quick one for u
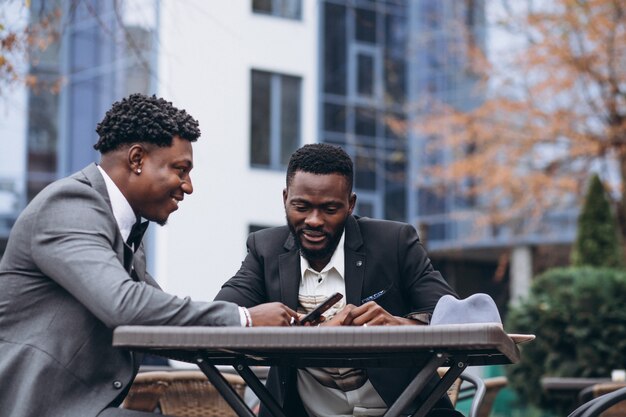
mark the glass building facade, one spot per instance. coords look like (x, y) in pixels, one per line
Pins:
(364, 86)
(104, 54)
(380, 60)
(105, 51)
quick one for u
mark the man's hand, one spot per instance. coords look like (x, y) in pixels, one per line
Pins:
(370, 314)
(272, 314)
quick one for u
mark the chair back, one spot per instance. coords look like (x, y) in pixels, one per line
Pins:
(493, 386)
(146, 390)
(181, 394)
(609, 401)
(617, 410)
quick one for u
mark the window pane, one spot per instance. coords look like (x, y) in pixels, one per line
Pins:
(84, 50)
(365, 25)
(365, 75)
(290, 9)
(395, 126)
(431, 202)
(256, 227)
(83, 101)
(335, 49)
(365, 169)
(395, 52)
(262, 6)
(43, 111)
(260, 114)
(289, 117)
(365, 122)
(435, 231)
(395, 185)
(334, 117)
(364, 209)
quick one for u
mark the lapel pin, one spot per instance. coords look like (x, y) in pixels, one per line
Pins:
(359, 263)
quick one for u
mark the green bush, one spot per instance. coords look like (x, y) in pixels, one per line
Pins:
(579, 319)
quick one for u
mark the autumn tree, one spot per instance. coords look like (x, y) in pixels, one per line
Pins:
(24, 33)
(551, 107)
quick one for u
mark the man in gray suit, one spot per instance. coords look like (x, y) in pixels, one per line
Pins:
(379, 266)
(74, 269)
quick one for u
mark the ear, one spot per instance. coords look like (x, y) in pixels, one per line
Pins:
(136, 156)
(351, 203)
(284, 197)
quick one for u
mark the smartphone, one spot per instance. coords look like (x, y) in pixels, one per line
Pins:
(321, 308)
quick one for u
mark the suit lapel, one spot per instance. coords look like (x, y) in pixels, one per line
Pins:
(92, 176)
(125, 254)
(289, 274)
(354, 262)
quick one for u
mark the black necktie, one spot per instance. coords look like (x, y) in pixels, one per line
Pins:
(136, 234)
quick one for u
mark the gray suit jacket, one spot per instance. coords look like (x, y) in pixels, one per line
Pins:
(379, 255)
(63, 289)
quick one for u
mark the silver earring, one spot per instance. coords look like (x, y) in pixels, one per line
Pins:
(138, 171)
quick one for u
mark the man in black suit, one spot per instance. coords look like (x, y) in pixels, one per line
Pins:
(380, 266)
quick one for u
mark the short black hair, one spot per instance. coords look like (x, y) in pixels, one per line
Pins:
(321, 158)
(141, 118)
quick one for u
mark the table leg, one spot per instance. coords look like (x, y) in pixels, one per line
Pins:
(458, 366)
(417, 385)
(260, 390)
(224, 388)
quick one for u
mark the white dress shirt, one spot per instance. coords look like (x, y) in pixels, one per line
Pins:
(332, 392)
(122, 211)
(125, 218)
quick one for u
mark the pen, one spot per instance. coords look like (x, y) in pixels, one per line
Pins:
(373, 297)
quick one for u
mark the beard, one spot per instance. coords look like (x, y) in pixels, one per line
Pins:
(320, 254)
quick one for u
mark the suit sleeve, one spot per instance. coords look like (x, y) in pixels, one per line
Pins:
(72, 244)
(421, 282)
(247, 286)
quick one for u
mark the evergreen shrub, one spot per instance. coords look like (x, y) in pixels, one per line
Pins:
(579, 318)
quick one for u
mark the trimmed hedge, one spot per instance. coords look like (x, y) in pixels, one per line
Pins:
(579, 317)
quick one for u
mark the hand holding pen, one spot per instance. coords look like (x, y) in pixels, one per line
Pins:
(370, 313)
(373, 297)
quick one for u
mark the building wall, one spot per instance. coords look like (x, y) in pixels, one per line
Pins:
(207, 52)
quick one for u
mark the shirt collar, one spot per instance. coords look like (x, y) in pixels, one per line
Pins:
(337, 261)
(122, 211)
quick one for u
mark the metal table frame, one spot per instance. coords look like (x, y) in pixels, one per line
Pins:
(426, 347)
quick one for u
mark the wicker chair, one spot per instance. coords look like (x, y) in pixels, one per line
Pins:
(181, 394)
(598, 393)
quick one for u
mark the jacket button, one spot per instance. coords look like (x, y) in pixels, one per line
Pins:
(117, 384)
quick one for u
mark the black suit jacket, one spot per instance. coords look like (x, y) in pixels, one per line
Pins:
(379, 255)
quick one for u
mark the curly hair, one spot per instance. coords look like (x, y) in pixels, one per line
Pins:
(321, 158)
(141, 118)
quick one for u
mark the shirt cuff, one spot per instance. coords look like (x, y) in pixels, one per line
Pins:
(244, 317)
(423, 318)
